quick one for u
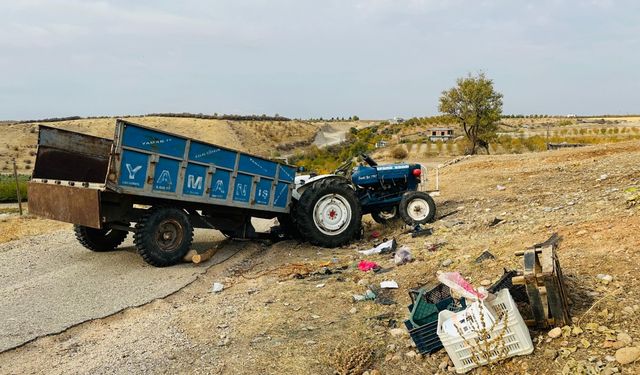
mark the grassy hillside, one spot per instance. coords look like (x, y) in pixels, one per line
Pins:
(267, 138)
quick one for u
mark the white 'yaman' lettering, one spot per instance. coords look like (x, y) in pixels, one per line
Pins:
(194, 183)
(133, 171)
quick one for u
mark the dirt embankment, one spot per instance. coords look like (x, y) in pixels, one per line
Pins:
(275, 317)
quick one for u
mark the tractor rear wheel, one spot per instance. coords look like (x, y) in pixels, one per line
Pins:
(417, 207)
(99, 240)
(163, 236)
(328, 213)
(385, 216)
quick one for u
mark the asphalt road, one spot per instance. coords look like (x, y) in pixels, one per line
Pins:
(50, 282)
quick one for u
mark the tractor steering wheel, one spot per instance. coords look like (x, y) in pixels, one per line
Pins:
(368, 160)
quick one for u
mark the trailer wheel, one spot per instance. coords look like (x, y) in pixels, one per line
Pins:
(99, 240)
(385, 216)
(417, 207)
(163, 236)
(328, 213)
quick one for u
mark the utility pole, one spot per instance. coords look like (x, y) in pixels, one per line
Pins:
(15, 175)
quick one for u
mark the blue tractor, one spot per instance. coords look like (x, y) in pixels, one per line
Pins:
(391, 191)
(327, 208)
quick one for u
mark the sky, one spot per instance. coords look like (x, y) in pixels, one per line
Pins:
(301, 58)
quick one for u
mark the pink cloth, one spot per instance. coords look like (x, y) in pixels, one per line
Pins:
(366, 265)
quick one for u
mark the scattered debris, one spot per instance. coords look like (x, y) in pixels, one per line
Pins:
(462, 287)
(602, 177)
(486, 255)
(217, 288)
(501, 188)
(390, 284)
(545, 285)
(451, 224)
(385, 247)
(447, 262)
(496, 220)
(366, 265)
(605, 279)
(402, 256)
(369, 295)
(481, 328)
(418, 231)
(320, 286)
(434, 246)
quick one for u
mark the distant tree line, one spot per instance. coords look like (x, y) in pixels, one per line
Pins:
(332, 119)
(430, 120)
(563, 116)
(215, 116)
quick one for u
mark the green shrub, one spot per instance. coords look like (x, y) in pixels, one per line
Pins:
(399, 152)
(8, 188)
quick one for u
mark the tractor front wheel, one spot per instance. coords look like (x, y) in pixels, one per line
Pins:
(417, 207)
(385, 216)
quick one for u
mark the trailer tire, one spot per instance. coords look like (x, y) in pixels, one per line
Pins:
(99, 240)
(335, 201)
(385, 216)
(417, 207)
(163, 236)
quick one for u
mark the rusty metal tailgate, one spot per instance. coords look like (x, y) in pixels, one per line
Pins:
(77, 205)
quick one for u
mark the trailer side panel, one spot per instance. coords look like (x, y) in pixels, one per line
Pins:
(77, 205)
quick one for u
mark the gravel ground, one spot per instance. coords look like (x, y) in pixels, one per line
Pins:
(49, 283)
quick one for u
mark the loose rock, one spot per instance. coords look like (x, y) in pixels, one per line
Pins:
(555, 333)
(627, 355)
(395, 332)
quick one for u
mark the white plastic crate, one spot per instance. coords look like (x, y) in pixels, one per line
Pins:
(515, 337)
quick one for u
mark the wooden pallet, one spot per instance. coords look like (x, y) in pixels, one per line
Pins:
(543, 279)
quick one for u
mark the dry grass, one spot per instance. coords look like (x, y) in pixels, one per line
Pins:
(15, 227)
(351, 361)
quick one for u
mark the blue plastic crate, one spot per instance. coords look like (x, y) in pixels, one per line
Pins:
(423, 320)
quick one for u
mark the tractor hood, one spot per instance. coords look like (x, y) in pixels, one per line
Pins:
(400, 172)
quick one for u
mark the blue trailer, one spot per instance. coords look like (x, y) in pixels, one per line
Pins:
(160, 186)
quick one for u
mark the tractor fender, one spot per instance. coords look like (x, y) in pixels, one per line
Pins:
(302, 182)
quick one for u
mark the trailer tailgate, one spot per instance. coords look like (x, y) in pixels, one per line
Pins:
(77, 205)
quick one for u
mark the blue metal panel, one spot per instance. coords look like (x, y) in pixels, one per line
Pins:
(287, 173)
(393, 171)
(133, 169)
(194, 179)
(253, 165)
(282, 195)
(242, 188)
(220, 184)
(212, 155)
(153, 141)
(239, 180)
(166, 175)
(364, 175)
(263, 191)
